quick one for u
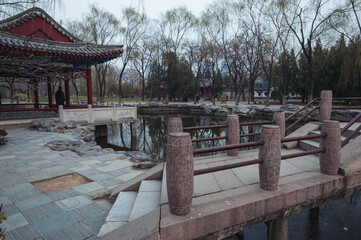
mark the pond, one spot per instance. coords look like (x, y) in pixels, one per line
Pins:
(152, 134)
(337, 220)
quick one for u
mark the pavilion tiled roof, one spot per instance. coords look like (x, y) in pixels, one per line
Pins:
(49, 47)
(22, 17)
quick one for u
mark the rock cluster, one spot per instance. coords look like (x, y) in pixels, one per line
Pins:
(3, 139)
(140, 159)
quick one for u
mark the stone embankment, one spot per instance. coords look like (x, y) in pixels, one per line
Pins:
(85, 145)
(246, 111)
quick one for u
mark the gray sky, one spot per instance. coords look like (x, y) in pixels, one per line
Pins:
(74, 9)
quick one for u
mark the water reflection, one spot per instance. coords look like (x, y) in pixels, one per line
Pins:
(152, 134)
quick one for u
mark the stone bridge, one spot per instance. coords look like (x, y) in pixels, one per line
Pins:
(313, 171)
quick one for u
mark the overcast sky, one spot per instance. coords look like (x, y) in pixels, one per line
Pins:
(74, 9)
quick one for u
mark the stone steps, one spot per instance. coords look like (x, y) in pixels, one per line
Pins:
(132, 205)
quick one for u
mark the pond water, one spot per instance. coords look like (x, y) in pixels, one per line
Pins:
(337, 220)
(152, 134)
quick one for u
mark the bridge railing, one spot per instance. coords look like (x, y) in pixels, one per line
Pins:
(180, 168)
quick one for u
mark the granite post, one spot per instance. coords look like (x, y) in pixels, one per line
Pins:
(175, 125)
(330, 159)
(232, 133)
(270, 153)
(180, 173)
(325, 106)
(279, 119)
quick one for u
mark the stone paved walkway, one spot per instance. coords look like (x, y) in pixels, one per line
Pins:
(67, 214)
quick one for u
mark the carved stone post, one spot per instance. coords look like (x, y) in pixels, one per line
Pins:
(232, 133)
(179, 172)
(330, 159)
(270, 153)
(325, 106)
(175, 125)
(279, 119)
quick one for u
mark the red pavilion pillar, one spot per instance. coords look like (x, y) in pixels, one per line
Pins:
(36, 94)
(67, 94)
(50, 92)
(88, 76)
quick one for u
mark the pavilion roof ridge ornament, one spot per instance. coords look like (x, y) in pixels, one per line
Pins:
(22, 17)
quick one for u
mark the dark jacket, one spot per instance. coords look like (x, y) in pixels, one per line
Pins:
(59, 98)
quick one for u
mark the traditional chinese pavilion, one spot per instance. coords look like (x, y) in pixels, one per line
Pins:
(34, 46)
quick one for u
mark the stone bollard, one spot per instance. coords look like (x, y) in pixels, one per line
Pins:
(61, 113)
(325, 106)
(180, 172)
(232, 133)
(270, 153)
(330, 159)
(279, 119)
(175, 125)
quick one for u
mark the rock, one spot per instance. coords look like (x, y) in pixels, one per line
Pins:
(70, 125)
(91, 128)
(137, 156)
(144, 165)
(3, 132)
(89, 149)
(3, 140)
(60, 145)
(290, 107)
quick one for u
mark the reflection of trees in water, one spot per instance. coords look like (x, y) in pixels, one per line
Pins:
(152, 133)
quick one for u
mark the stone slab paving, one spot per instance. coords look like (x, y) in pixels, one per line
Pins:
(67, 214)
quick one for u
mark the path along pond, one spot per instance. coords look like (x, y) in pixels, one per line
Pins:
(336, 220)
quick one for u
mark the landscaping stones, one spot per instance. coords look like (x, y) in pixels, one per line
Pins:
(144, 165)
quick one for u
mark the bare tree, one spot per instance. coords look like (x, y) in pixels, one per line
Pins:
(173, 28)
(308, 21)
(134, 29)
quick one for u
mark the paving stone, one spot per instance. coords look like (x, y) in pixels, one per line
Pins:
(38, 213)
(145, 203)
(104, 204)
(14, 221)
(8, 180)
(24, 232)
(150, 186)
(74, 202)
(87, 211)
(89, 187)
(75, 232)
(62, 220)
(205, 184)
(128, 176)
(40, 162)
(227, 179)
(40, 176)
(21, 196)
(63, 194)
(19, 188)
(94, 223)
(122, 207)
(288, 169)
(118, 172)
(247, 175)
(5, 200)
(45, 166)
(10, 209)
(33, 202)
(81, 168)
(89, 162)
(7, 157)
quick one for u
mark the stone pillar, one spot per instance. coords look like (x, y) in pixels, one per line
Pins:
(61, 113)
(88, 76)
(232, 133)
(180, 173)
(175, 125)
(277, 229)
(279, 119)
(270, 153)
(133, 130)
(50, 92)
(330, 159)
(36, 94)
(325, 106)
(90, 112)
(67, 93)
